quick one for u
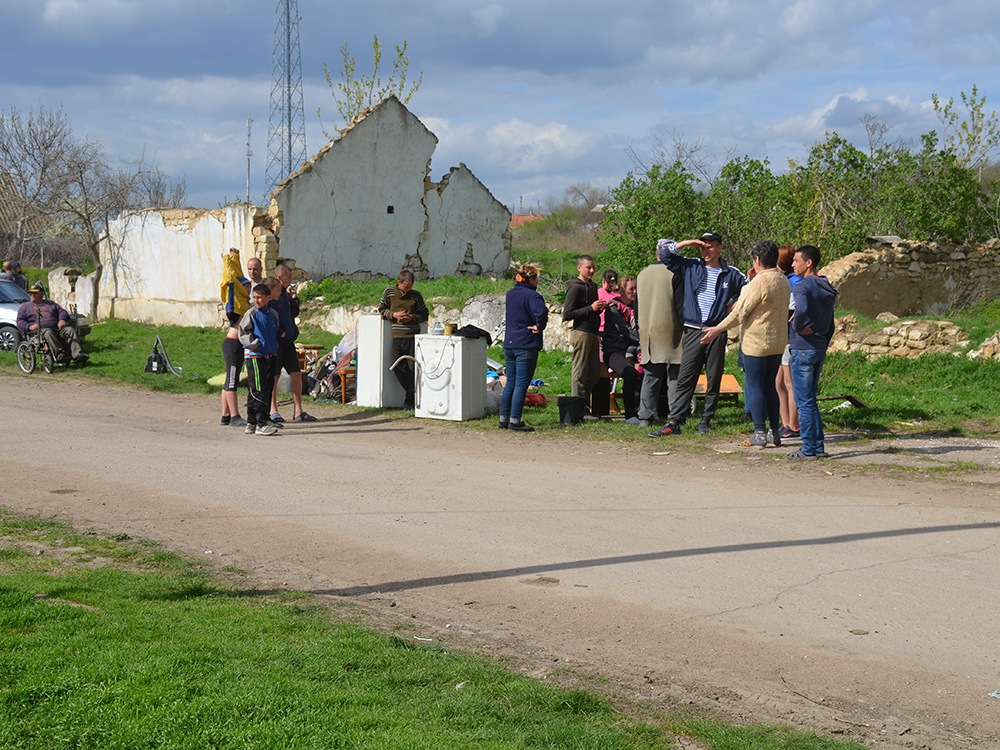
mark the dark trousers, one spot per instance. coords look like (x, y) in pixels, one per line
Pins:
(656, 376)
(405, 372)
(260, 382)
(625, 369)
(694, 357)
(759, 374)
(63, 342)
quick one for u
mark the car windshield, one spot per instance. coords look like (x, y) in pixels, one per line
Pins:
(11, 292)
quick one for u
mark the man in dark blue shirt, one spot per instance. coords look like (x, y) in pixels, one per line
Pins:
(810, 334)
(710, 288)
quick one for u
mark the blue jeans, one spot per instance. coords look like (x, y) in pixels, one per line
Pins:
(759, 374)
(806, 367)
(520, 366)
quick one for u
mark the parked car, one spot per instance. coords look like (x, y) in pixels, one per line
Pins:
(11, 297)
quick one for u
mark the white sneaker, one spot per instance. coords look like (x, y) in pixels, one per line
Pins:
(267, 429)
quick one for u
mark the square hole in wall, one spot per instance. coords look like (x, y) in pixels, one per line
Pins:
(390, 209)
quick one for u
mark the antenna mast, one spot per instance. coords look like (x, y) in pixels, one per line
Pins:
(286, 133)
(249, 154)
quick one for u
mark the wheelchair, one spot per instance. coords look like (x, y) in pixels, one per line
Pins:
(33, 348)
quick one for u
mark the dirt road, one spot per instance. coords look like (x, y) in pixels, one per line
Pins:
(832, 595)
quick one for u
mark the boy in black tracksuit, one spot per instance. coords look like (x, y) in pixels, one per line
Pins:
(259, 336)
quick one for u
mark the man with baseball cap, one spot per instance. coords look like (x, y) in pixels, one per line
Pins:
(711, 286)
(55, 324)
(19, 278)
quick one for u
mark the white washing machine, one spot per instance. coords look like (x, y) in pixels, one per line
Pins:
(451, 377)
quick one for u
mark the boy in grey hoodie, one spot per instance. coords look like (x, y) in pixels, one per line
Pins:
(811, 331)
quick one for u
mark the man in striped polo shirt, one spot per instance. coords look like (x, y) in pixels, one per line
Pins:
(711, 286)
(405, 307)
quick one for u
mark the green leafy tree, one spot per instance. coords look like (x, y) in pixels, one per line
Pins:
(972, 138)
(748, 203)
(354, 93)
(662, 202)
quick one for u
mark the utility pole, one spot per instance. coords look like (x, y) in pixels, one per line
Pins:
(249, 154)
(286, 133)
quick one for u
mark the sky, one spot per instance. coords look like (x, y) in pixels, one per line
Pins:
(533, 96)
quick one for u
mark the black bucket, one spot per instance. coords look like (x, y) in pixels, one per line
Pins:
(571, 409)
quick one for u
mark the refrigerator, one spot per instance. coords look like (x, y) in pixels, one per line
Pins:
(376, 384)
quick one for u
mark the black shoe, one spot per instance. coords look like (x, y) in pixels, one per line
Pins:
(502, 424)
(81, 360)
(704, 428)
(520, 427)
(670, 428)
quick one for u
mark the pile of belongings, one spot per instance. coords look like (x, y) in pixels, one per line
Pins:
(326, 371)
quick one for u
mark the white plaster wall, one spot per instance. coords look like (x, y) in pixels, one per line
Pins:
(334, 215)
(465, 216)
(164, 266)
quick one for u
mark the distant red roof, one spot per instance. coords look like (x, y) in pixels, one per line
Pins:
(519, 220)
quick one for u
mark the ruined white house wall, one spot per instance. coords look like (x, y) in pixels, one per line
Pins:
(463, 229)
(164, 266)
(365, 206)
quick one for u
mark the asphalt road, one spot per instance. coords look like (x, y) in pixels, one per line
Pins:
(833, 596)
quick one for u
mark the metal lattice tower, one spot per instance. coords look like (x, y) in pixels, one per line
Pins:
(286, 132)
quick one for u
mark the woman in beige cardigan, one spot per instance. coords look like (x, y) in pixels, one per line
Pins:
(762, 315)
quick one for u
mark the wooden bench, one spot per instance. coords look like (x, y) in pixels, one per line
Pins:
(728, 388)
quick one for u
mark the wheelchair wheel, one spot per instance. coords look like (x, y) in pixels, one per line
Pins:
(48, 362)
(26, 357)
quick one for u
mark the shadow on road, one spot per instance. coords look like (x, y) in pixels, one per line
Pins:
(486, 575)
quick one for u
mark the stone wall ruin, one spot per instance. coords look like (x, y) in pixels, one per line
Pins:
(914, 278)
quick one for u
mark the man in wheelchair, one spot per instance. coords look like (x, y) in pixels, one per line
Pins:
(56, 325)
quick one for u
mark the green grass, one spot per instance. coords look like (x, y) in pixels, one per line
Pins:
(119, 349)
(979, 322)
(117, 643)
(450, 290)
(558, 266)
(935, 393)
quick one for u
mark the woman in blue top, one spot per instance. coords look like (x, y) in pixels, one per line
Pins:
(526, 316)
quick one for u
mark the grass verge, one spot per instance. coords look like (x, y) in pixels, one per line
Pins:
(116, 643)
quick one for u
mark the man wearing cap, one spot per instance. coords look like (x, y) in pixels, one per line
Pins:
(19, 278)
(711, 286)
(12, 272)
(55, 323)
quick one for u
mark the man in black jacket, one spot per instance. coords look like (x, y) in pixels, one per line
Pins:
(583, 308)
